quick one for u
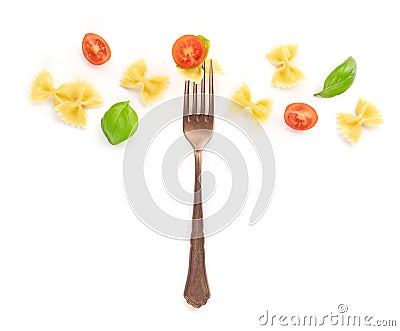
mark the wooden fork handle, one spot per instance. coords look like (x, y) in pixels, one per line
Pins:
(197, 291)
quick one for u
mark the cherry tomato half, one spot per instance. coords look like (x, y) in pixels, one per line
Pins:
(95, 49)
(189, 51)
(300, 116)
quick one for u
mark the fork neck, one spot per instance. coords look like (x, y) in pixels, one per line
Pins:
(197, 181)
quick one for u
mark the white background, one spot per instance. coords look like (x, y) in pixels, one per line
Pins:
(72, 254)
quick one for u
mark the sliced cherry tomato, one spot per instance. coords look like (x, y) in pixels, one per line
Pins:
(95, 49)
(189, 51)
(300, 116)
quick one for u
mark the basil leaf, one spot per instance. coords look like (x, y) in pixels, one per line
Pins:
(206, 43)
(119, 122)
(184, 67)
(340, 79)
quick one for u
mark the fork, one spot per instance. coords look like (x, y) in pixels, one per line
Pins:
(198, 129)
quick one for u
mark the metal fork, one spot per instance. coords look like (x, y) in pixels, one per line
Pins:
(198, 129)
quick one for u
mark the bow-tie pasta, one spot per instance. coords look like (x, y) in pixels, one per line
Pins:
(69, 100)
(261, 109)
(350, 125)
(151, 88)
(73, 98)
(196, 74)
(42, 87)
(286, 74)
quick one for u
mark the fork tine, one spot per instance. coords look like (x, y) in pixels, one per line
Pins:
(194, 104)
(203, 90)
(211, 91)
(186, 99)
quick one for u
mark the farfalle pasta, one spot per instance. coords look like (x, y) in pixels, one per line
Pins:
(43, 86)
(286, 74)
(366, 113)
(69, 100)
(261, 109)
(196, 74)
(151, 88)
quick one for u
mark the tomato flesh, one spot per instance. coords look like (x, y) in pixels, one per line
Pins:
(300, 116)
(189, 51)
(95, 49)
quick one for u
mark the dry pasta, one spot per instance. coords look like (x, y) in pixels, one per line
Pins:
(69, 100)
(286, 74)
(366, 113)
(196, 74)
(151, 88)
(261, 109)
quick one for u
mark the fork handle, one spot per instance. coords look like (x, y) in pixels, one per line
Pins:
(197, 291)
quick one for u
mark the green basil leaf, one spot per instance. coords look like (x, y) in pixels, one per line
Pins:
(184, 68)
(340, 79)
(119, 123)
(206, 43)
